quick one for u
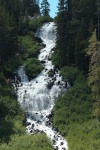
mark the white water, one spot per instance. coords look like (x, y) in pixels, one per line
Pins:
(35, 97)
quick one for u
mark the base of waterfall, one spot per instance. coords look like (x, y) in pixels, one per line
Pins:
(37, 97)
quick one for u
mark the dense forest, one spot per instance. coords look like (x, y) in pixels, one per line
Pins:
(76, 114)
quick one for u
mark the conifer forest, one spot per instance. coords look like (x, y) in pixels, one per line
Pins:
(75, 56)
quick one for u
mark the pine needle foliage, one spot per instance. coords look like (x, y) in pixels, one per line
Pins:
(93, 52)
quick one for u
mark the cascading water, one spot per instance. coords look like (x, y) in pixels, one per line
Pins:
(37, 96)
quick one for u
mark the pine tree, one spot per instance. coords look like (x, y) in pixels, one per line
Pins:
(45, 8)
(8, 35)
(93, 52)
(61, 33)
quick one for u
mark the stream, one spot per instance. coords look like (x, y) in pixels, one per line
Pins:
(37, 97)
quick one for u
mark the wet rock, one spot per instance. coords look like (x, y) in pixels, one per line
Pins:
(36, 131)
(58, 82)
(54, 141)
(46, 69)
(38, 121)
(50, 116)
(48, 123)
(37, 39)
(31, 131)
(56, 148)
(42, 131)
(50, 84)
(42, 61)
(61, 143)
(63, 148)
(32, 125)
(51, 73)
(54, 78)
(55, 69)
(27, 123)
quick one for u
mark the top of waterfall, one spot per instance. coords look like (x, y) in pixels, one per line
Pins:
(47, 32)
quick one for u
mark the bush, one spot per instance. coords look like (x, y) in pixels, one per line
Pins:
(26, 142)
(70, 74)
(34, 24)
(2, 79)
(33, 67)
(11, 118)
(30, 47)
(73, 116)
(10, 66)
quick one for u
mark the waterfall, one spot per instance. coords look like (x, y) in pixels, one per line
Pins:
(37, 96)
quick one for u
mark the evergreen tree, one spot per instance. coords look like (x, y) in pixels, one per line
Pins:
(8, 35)
(45, 8)
(61, 33)
(93, 52)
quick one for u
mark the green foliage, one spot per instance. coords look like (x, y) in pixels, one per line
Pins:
(55, 58)
(34, 24)
(33, 67)
(11, 118)
(2, 79)
(93, 51)
(84, 136)
(26, 142)
(11, 65)
(75, 21)
(8, 36)
(45, 8)
(73, 116)
(70, 74)
(11, 115)
(29, 46)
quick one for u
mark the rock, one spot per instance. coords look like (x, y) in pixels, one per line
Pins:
(42, 61)
(50, 84)
(54, 78)
(37, 39)
(54, 141)
(27, 123)
(42, 131)
(31, 131)
(51, 73)
(38, 121)
(61, 143)
(56, 148)
(63, 148)
(58, 82)
(25, 91)
(46, 69)
(32, 125)
(36, 131)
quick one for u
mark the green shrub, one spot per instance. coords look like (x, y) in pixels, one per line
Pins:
(33, 67)
(70, 74)
(34, 24)
(26, 142)
(73, 116)
(11, 118)
(55, 59)
(2, 79)
(30, 47)
(10, 66)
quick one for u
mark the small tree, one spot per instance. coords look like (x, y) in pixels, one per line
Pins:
(45, 8)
